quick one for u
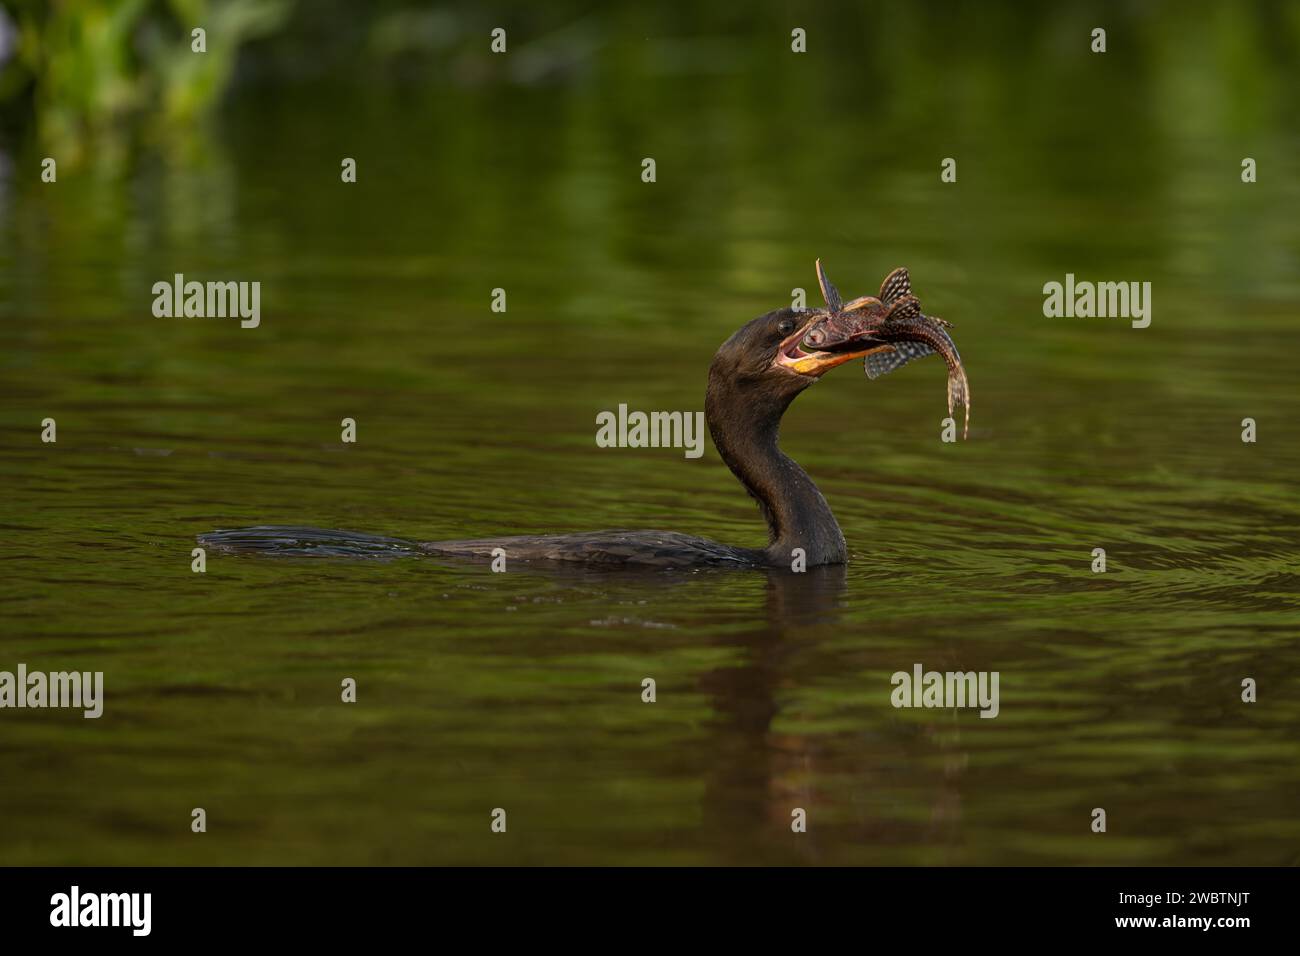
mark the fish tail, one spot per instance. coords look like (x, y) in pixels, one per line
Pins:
(959, 394)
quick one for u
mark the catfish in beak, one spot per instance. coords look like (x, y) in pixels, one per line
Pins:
(890, 330)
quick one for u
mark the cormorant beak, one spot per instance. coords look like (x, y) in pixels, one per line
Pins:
(823, 342)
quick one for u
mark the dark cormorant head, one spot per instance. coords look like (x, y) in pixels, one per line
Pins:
(778, 355)
(772, 353)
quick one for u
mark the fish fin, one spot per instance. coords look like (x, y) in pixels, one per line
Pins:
(868, 302)
(829, 292)
(900, 353)
(897, 283)
(906, 307)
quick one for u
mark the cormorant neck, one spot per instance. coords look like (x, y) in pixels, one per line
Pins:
(744, 427)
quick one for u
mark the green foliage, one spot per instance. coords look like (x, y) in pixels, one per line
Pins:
(87, 66)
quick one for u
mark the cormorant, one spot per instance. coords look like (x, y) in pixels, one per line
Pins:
(753, 378)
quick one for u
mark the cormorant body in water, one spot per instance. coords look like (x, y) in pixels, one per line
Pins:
(754, 377)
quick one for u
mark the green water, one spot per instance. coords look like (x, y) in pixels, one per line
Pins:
(523, 690)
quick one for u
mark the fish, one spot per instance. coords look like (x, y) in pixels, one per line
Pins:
(895, 319)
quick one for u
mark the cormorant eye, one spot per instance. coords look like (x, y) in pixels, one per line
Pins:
(786, 327)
